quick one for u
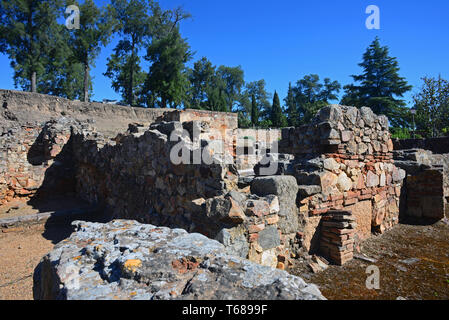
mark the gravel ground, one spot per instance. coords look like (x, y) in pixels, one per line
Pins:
(413, 261)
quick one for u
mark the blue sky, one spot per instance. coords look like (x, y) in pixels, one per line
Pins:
(281, 41)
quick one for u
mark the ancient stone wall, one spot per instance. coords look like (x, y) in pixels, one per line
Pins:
(31, 155)
(343, 160)
(252, 145)
(426, 188)
(25, 107)
(436, 145)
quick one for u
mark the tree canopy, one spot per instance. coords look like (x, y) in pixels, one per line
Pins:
(379, 86)
(432, 107)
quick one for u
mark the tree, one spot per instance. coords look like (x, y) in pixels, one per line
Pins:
(292, 108)
(380, 86)
(166, 83)
(62, 77)
(203, 80)
(310, 96)
(133, 23)
(233, 80)
(27, 36)
(254, 111)
(257, 109)
(95, 30)
(432, 107)
(216, 89)
(277, 117)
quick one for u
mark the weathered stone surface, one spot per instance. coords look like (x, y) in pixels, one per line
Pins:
(128, 260)
(269, 238)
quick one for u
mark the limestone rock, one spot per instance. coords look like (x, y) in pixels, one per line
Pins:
(127, 260)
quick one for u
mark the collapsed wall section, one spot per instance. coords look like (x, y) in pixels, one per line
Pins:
(35, 159)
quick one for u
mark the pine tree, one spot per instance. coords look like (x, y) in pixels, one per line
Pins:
(27, 35)
(95, 29)
(166, 84)
(380, 86)
(292, 108)
(133, 24)
(277, 118)
(310, 95)
(254, 111)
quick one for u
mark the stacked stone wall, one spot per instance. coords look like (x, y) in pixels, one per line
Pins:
(343, 160)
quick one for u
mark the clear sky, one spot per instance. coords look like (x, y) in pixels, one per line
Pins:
(281, 41)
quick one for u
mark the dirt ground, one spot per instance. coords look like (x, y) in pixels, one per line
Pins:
(20, 252)
(413, 261)
(23, 207)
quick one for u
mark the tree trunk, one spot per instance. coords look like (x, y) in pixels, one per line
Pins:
(86, 82)
(33, 82)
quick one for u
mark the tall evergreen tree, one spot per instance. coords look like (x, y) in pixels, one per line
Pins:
(203, 81)
(277, 117)
(310, 95)
(27, 35)
(259, 106)
(211, 88)
(166, 83)
(380, 86)
(63, 76)
(133, 24)
(95, 30)
(292, 108)
(254, 111)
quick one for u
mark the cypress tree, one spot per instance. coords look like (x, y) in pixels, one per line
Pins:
(292, 109)
(254, 111)
(277, 118)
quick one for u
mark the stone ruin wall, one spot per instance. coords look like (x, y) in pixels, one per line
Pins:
(343, 161)
(426, 187)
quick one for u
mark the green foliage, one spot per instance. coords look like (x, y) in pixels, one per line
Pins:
(254, 111)
(400, 133)
(309, 95)
(132, 22)
(95, 30)
(258, 108)
(28, 33)
(380, 86)
(212, 88)
(291, 108)
(277, 118)
(233, 81)
(167, 81)
(432, 107)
